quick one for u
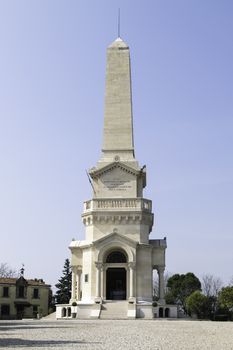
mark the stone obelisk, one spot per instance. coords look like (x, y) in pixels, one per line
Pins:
(118, 123)
(116, 260)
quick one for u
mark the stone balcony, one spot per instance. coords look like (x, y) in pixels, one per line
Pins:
(118, 204)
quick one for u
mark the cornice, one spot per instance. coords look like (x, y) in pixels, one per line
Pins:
(119, 218)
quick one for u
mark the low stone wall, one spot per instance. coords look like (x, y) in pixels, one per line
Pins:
(92, 311)
(81, 311)
(165, 311)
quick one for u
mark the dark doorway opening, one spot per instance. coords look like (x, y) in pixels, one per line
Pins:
(5, 311)
(167, 312)
(116, 284)
(160, 312)
(20, 311)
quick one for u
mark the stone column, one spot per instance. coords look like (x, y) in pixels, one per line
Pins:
(78, 294)
(99, 266)
(131, 266)
(160, 270)
(103, 281)
(73, 284)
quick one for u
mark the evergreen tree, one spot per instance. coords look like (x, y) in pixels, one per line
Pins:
(180, 287)
(63, 293)
(200, 305)
(226, 298)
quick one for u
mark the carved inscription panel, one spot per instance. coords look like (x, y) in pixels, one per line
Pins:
(117, 183)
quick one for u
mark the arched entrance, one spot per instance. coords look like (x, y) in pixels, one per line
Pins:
(116, 275)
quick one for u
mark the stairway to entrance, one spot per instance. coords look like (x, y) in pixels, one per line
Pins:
(114, 310)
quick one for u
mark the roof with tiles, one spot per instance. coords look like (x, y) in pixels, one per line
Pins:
(31, 282)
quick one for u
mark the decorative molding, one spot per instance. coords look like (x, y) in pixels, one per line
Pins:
(92, 218)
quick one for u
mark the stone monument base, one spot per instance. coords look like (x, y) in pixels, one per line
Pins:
(116, 309)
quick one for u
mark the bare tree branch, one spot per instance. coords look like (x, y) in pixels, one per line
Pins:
(6, 271)
(211, 285)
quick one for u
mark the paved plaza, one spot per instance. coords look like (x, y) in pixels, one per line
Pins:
(117, 334)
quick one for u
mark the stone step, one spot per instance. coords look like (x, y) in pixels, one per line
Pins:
(113, 317)
(114, 310)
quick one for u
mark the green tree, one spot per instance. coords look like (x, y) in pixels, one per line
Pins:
(226, 298)
(180, 287)
(200, 305)
(51, 302)
(63, 293)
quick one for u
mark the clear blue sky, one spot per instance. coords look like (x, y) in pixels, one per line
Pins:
(52, 77)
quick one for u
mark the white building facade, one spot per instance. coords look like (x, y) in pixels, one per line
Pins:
(112, 269)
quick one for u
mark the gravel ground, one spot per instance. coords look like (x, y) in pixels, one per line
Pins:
(119, 334)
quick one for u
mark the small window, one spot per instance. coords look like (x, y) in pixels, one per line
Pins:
(86, 278)
(5, 292)
(36, 293)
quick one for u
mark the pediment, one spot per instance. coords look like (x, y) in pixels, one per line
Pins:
(98, 172)
(117, 238)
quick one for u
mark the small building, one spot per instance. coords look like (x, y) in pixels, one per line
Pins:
(21, 298)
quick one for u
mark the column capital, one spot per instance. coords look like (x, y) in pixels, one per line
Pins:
(131, 265)
(76, 268)
(79, 270)
(99, 265)
(160, 269)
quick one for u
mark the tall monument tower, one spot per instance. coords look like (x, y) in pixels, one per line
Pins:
(112, 268)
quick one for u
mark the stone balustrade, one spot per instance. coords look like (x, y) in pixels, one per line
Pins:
(158, 242)
(118, 204)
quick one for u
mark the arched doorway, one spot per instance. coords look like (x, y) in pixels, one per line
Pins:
(63, 312)
(167, 312)
(116, 276)
(160, 312)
